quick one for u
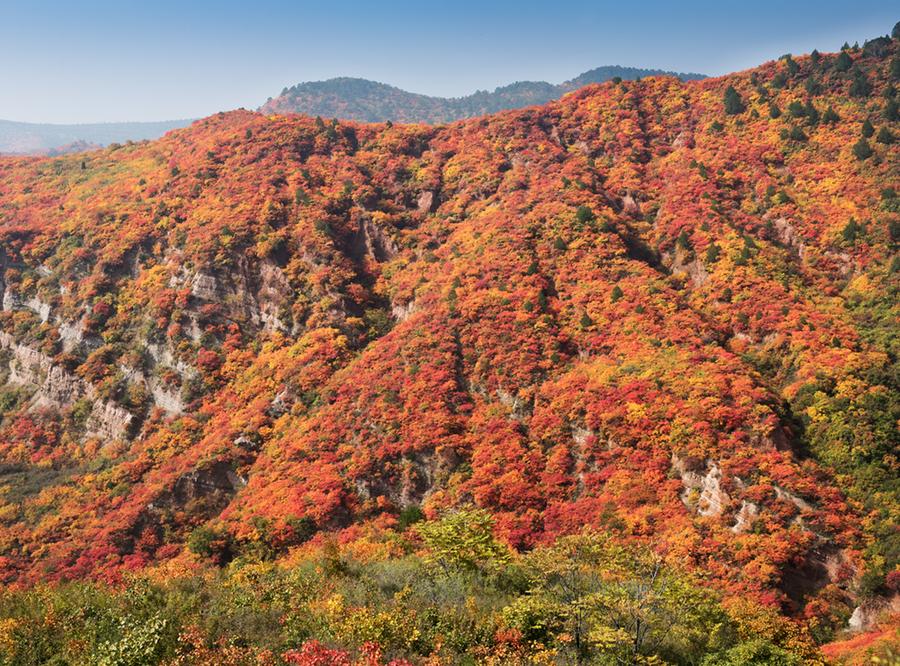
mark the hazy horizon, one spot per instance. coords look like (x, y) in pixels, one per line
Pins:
(102, 62)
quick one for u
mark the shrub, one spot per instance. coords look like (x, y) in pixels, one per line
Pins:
(862, 150)
(584, 214)
(212, 543)
(885, 136)
(410, 515)
(796, 134)
(797, 109)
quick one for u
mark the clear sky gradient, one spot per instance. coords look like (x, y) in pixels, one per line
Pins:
(67, 61)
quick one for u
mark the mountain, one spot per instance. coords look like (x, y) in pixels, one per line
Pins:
(368, 101)
(608, 380)
(37, 138)
(356, 99)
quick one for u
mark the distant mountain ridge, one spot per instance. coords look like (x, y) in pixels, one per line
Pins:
(48, 139)
(345, 97)
(369, 101)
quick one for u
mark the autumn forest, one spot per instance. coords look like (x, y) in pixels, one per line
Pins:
(610, 380)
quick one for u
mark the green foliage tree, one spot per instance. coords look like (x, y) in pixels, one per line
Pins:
(867, 129)
(753, 653)
(621, 605)
(139, 643)
(463, 541)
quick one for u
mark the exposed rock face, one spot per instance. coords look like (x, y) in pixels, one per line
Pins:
(70, 335)
(274, 295)
(869, 614)
(630, 205)
(788, 235)
(425, 202)
(745, 516)
(10, 300)
(683, 262)
(783, 494)
(107, 421)
(703, 492)
(40, 308)
(218, 482)
(166, 400)
(372, 241)
(416, 477)
(256, 293)
(824, 564)
(205, 287)
(403, 312)
(57, 388)
(685, 139)
(207, 490)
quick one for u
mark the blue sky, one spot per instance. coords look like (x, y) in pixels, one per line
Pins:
(98, 60)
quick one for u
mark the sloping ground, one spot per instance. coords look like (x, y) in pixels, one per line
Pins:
(628, 309)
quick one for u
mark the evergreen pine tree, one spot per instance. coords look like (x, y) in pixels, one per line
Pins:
(733, 102)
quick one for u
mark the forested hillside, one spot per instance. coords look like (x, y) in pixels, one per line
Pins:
(607, 380)
(369, 101)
